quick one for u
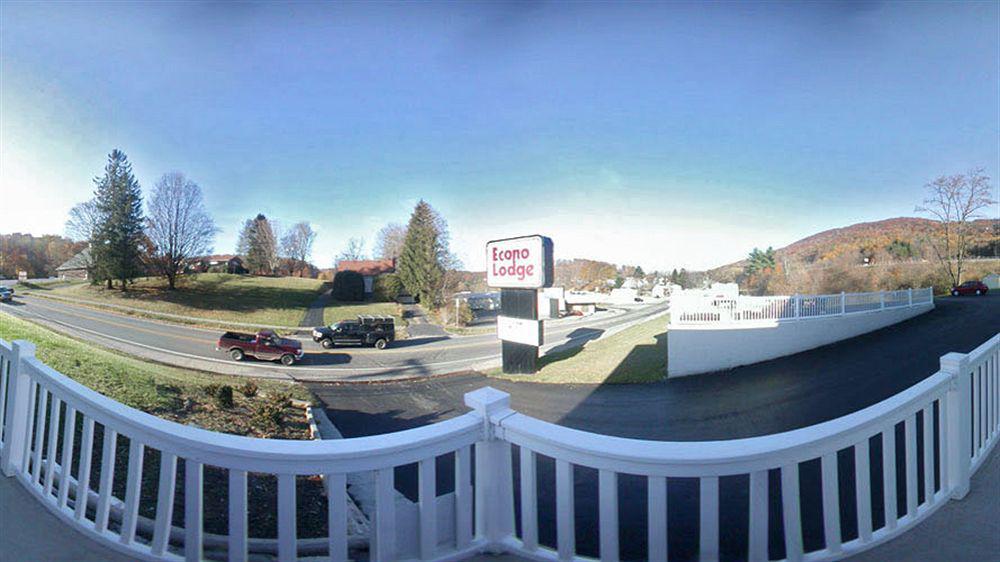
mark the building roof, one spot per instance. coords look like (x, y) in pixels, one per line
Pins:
(79, 261)
(368, 267)
(216, 258)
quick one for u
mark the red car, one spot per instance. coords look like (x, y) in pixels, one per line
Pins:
(970, 288)
(264, 345)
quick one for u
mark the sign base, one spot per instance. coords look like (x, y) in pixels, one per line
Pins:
(519, 358)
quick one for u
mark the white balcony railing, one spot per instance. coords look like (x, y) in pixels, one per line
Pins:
(948, 424)
(701, 309)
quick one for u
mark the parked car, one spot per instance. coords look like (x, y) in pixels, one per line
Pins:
(970, 288)
(265, 345)
(6, 294)
(378, 331)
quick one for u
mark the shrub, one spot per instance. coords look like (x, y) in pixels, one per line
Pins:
(211, 390)
(224, 397)
(348, 286)
(267, 417)
(249, 389)
(387, 287)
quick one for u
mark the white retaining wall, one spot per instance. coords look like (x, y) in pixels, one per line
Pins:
(704, 348)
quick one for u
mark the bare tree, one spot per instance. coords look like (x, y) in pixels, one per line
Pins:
(955, 201)
(178, 226)
(296, 244)
(389, 241)
(355, 250)
(83, 220)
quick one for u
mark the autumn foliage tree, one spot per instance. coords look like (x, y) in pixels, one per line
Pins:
(954, 202)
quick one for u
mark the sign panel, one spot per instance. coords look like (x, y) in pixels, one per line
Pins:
(519, 263)
(519, 330)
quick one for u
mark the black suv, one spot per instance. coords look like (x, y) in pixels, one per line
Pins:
(378, 331)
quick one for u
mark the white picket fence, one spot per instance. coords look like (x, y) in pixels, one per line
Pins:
(700, 309)
(957, 411)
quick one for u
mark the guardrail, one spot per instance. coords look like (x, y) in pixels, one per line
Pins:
(698, 309)
(947, 425)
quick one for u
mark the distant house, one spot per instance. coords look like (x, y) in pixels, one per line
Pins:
(369, 270)
(77, 267)
(219, 263)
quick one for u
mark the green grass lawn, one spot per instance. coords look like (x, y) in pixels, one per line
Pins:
(177, 394)
(634, 355)
(264, 301)
(350, 310)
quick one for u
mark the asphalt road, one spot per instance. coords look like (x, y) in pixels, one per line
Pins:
(771, 397)
(191, 347)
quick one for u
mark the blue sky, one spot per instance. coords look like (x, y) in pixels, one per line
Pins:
(665, 134)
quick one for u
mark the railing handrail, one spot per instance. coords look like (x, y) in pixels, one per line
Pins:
(706, 309)
(279, 456)
(721, 457)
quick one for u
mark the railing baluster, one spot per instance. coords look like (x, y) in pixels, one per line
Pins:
(287, 533)
(132, 483)
(5, 384)
(656, 532)
(791, 513)
(608, 518)
(164, 502)
(565, 511)
(708, 528)
(975, 413)
(238, 524)
(911, 465)
(384, 532)
(50, 453)
(463, 496)
(831, 502)
(529, 500)
(36, 463)
(107, 479)
(32, 408)
(863, 490)
(336, 498)
(66, 464)
(929, 453)
(427, 498)
(193, 514)
(83, 473)
(889, 475)
(758, 517)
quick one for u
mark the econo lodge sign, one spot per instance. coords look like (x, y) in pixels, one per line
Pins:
(519, 263)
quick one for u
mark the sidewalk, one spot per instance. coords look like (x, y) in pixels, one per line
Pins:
(961, 530)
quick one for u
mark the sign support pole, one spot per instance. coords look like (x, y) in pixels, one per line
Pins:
(519, 358)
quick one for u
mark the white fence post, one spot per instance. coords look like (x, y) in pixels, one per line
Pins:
(881, 300)
(843, 303)
(798, 300)
(17, 407)
(909, 296)
(959, 423)
(494, 473)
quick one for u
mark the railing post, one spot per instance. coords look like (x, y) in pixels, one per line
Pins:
(959, 423)
(843, 303)
(494, 475)
(909, 297)
(17, 407)
(798, 300)
(881, 300)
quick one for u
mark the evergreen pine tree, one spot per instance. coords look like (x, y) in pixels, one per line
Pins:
(117, 238)
(258, 245)
(421, 264)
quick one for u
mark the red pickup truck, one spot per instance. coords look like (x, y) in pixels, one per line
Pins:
(264, 345)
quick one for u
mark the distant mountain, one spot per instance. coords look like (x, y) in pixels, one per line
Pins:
(897, 239)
